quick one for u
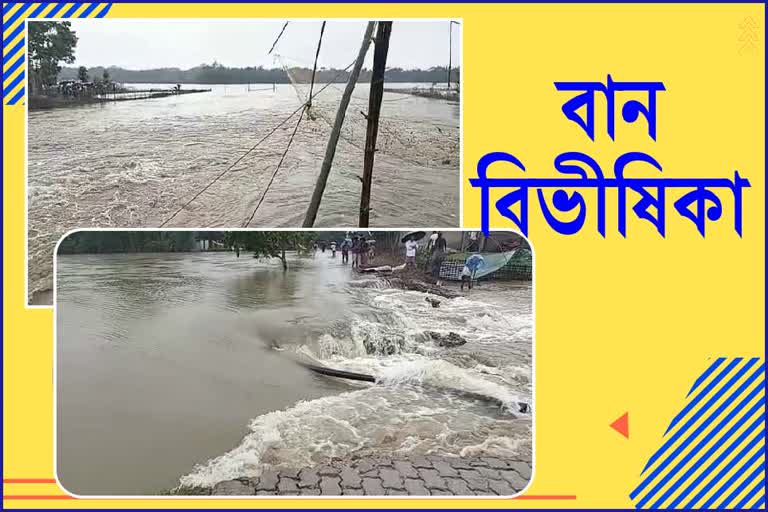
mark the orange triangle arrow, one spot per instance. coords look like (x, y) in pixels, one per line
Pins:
(621, 425)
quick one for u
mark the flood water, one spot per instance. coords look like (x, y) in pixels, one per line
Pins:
(135, 163)
(182, 369)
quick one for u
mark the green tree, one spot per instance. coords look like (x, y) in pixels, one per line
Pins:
(270, 244)
(50, 42)
(105, 76)
(82, 74)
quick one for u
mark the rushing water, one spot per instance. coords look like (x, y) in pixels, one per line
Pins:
(181, 368)
(135, 163)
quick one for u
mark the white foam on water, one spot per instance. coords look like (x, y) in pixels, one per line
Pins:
(330, 347)
(500, 445)
(374, 421)
(426, 400)
(281, 436)
(443, 374)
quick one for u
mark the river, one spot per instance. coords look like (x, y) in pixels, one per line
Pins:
(135, 163)
(181, 368)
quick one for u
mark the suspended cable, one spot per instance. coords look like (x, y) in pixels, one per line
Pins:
(273, 130)
(274, 174)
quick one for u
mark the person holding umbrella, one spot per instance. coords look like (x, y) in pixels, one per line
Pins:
(411, 246)
(471, 265)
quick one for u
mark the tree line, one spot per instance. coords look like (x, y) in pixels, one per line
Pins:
(106, 242)
(51, 43)
(218, 74)
(261, 244)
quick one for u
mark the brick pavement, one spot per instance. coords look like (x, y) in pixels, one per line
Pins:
(415, 476)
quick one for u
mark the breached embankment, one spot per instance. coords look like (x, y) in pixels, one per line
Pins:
(398, 276)
(427, 400)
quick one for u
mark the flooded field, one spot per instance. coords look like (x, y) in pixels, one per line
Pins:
(135, 163)
(182, 369)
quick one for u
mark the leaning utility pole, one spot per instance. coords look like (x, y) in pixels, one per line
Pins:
(374, 107)
(330, 149)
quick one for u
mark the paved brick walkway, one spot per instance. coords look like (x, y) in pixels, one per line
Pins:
(415, 476)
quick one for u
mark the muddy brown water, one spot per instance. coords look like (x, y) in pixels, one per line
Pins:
(181, 368)
(134, 163)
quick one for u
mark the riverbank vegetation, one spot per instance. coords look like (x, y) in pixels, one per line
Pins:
(270, 244)
(50, 43)
(261, 244)
(106, 242)
(216, 73)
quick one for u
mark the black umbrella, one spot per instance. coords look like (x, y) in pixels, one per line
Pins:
(413, 235)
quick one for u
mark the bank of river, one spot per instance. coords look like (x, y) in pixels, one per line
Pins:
(48, 102)
(134, 163)
(181, 369)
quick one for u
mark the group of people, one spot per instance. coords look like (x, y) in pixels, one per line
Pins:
(361, 250)
(357, 245)
(437, 249)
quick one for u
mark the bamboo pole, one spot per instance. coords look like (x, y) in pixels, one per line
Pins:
(330, 149)
(314, 68)
(450, 51)
(374, 108)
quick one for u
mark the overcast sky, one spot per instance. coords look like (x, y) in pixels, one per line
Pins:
(145, 44)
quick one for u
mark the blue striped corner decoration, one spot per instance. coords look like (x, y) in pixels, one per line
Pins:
(14, 37)
(713, 452)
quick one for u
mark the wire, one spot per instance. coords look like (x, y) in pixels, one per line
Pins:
(273, 130)
(290, 141)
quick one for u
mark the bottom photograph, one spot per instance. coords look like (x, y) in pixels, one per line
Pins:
(294, 363)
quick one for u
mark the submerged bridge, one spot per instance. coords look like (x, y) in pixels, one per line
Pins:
(146, 94)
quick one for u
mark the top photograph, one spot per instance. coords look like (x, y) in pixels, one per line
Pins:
(239, 124)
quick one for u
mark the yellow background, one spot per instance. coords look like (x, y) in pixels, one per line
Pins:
(621, 324)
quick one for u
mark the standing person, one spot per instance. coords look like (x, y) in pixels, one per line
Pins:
(431, 244)
(363, 251)
(474, 244)
(333, 249)
(439, 250)
(355, 252)
(410, 252)
(430, 248)
(471, 265)
(345, 246)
